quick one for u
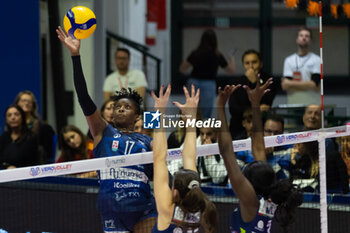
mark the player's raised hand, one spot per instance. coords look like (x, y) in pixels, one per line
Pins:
(72, 44)
(189, 108)
(225, 93)
(258, 92)
(161, 102)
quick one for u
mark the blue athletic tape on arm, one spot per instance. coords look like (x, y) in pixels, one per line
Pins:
(86, 103)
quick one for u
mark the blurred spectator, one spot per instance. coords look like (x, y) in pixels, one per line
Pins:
(205, 60)
(124, 77)
(345, 152)
(211, 167)
(139, 127)
(106, 113)
(278, 157)
(239, 101)
(305, 157)
(305, 168)
(18, 145)
(312, 121)
(45, 134)
(301, 72)
(74, 145)
(176, 138)
(247, 124)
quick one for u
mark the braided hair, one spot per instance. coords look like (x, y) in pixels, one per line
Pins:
(282, 192)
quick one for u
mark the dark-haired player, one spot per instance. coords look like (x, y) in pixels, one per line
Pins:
(261, 196)
(125, 200)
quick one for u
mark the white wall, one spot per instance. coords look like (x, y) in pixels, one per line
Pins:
(162, 47)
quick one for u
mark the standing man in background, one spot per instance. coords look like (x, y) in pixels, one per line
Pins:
(123, 77)
(301, 72)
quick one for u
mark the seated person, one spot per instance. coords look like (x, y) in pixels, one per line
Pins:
(247, 124)
(139, 127)
(312, 121)
(106, 113)
(211, 167)
(27, 101)
(18, 145)
(277, 157)
(74, 145)
(305, 167)
(239, 101)
(176, 138)
(345, 152)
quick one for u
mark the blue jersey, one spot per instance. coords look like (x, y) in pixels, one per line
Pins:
(178, 218)
(124, 189)
(260, 224)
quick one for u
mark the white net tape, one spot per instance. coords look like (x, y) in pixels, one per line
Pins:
(144, 158)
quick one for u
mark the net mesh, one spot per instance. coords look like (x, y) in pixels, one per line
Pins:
(62, 197)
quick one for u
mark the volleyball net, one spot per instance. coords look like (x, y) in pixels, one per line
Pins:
(62, 197)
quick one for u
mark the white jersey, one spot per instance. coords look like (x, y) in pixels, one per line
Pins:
(306, 65)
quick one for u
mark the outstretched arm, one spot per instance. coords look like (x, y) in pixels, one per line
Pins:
(162, 191)
(93, 117)
(189, 109)
(240, 184)
(257, 135)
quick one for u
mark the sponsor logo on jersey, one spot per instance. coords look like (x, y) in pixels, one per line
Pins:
(115, 145)
(123, 174)
(117, 135)
(109, 224)
(114, 162)
(260, 224)
(121, 195)
(126, 185)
